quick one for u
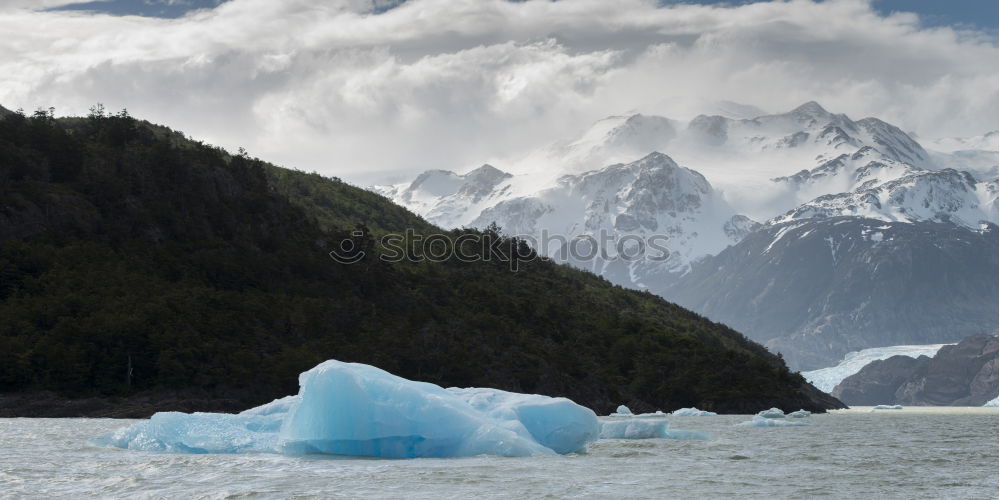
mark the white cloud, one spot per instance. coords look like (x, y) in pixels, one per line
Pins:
(452, 83)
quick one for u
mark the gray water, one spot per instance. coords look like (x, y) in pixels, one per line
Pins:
(914, 453)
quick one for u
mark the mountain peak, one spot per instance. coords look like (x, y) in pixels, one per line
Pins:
(658, 158)
(486, 171)
(811, 108)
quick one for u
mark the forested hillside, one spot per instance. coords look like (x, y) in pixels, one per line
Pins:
(135, 261)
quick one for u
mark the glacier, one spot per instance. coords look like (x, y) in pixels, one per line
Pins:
(354, 409)
(825, 379)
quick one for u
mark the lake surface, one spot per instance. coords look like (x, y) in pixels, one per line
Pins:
(858, 453)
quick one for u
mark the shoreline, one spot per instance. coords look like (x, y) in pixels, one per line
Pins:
(51, 405)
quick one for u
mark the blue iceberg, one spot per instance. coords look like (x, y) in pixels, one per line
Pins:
(359, 410)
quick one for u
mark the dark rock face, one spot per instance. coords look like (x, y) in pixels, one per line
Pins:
(819, 288)
(959, 375)
(878, 381)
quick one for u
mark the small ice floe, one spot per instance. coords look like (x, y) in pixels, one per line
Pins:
(772, 413)
(774, 417)
(693, 412)
(646, 428)
(887, 407)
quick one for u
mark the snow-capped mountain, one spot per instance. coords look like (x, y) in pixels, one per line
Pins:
(444, 197)
(869, 184)
(650, 196)
(798, 171)
(808, 128)
(989, 141)
(976, 155)
(615, 139)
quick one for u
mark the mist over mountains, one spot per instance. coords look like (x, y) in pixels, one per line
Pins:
(810, 231)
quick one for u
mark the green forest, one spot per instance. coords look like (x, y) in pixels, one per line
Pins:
(135, 260)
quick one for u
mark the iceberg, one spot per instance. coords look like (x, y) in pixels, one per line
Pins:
(646, 428)
(199, 433)
(887, 407)
(359, 410)
(772, 413)
(774, 417)
(825, 379)
(655, 414)
(623, 410)
(693, 412)
(992, 403)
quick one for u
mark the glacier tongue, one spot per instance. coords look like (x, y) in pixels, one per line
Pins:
(358, 410)
(825, 379)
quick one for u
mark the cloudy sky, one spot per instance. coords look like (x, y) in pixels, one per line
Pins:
(374, 90)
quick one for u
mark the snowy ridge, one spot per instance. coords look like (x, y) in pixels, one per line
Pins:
(936, 195)
(989, 141)
(444, 197)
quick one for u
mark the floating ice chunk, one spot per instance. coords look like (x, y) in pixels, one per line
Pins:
(355, 409)
(634, 428)
(887, 407)
(359, 410)
(646, 428)
(623, 410)
(992, 403)
(199, 433)
(655, 414)
(772, 413)
(799, 414)
(693, 412)
(759, 421)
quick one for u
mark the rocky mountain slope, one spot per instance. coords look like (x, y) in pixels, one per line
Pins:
(964, 374)
(815, 289)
